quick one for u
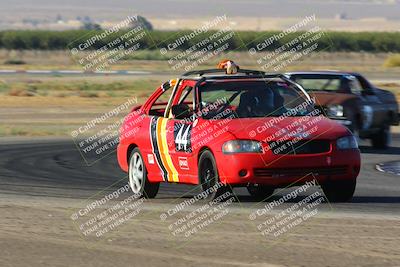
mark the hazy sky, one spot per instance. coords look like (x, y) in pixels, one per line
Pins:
(115, 9)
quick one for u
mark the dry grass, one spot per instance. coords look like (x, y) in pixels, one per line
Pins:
(51, 115)
(392, 61)
(140, 88)
(56, 101)
(20, 92)
(60, 60)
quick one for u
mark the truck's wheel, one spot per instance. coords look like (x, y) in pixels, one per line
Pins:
(260, 192)
(339, 191)
(138, 176)
(381, 140)
(208, 176)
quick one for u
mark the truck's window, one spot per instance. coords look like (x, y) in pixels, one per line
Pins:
(364, 83)
(355, 87)
(319, 83)
(323, 84)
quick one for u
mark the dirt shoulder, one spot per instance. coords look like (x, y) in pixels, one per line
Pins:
(41, 233)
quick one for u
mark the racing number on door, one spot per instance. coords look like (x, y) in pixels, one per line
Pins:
(182, 135)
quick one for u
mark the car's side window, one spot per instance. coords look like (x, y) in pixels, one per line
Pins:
(183, 104)
(159, 106)
(187, 97)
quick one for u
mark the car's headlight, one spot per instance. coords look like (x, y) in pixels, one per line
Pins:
(347, 142)
(335, 111)
(242, 146)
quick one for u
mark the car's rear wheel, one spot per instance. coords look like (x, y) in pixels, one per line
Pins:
(137, 174)
(339, 191)
(381, 140)
(208, 176)
(260, 192)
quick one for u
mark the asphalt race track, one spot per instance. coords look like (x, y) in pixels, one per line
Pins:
(54, 168)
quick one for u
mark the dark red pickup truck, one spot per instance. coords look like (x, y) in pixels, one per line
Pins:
(352, 100)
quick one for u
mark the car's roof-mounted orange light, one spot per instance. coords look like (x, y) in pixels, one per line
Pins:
(229, 66)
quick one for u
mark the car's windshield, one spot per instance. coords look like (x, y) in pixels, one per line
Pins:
(251, 99)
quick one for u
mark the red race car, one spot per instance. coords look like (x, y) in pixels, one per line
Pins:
(234, 127)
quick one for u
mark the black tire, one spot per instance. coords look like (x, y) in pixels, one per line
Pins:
(381, 140)
(339, 191)
(208, 176)
(260, 192)
(146, 189)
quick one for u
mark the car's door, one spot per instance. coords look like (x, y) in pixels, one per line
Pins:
(372, 111)
(180, 128)
(156, 152)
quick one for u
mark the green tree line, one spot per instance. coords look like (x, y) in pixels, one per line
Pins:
(242, 40)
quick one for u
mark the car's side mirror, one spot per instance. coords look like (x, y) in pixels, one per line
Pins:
(181, 111)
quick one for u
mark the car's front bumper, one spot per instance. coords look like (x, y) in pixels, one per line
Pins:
(283, 170)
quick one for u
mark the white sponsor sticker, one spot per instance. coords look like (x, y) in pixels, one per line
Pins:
(150, 158)
(183, 163)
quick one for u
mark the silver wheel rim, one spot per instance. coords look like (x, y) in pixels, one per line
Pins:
(136, 173)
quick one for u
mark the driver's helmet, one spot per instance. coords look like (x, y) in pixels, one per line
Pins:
(256, 103)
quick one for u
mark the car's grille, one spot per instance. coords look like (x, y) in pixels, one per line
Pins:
(299, 172)
(300, 146)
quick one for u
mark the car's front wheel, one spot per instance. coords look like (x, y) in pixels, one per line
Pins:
(339, 191)
(208, 176)
(137, 173)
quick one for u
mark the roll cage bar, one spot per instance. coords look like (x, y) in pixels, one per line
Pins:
(256, 74)
(209, 71)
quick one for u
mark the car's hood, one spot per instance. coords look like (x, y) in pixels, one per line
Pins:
(323, 98)
(274, 128)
